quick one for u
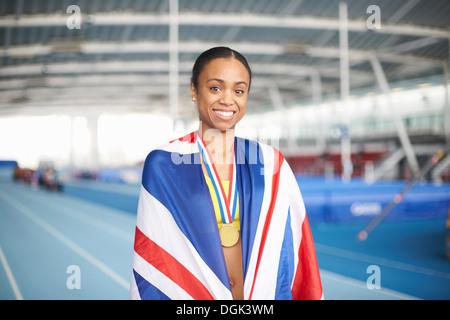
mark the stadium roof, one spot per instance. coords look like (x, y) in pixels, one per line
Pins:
(126, 55)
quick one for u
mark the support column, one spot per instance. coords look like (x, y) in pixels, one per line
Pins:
(316, 89)
(347, 166)
(399, 125)
(174, 68)
(93, 156)
(446, 105)
(72, 148)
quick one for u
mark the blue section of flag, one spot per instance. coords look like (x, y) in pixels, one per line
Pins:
(188, 201)
(285, 268)
(250, 182)
(147, 291)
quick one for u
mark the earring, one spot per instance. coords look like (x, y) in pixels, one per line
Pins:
(193, 99)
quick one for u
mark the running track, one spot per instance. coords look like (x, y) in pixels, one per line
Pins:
(43, 233)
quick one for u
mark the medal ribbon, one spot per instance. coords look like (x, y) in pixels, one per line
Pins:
(227, 205)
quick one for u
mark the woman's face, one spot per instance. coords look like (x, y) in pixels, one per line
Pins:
(222, 93)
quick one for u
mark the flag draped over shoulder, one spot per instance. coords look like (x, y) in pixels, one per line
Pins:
(178, 252)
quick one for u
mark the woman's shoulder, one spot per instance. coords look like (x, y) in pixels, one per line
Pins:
(171, 151)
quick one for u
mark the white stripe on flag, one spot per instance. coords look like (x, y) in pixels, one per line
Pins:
(268, 156)
(158, 224)
(158, 279)
(266, 281)
(297, 211)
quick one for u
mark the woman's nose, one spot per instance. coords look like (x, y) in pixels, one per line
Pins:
(227, 98)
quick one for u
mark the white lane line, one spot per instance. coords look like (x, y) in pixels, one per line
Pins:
(361, 284)
(343, 253)
(72, 245)
(9, 274)
(81, 216)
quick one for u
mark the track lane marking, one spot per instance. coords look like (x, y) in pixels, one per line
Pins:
(343, 253)
(69, 243)
(10, 275)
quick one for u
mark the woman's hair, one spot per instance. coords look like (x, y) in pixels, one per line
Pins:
(215, 53)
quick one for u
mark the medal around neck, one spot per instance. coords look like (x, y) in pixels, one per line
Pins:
(229, 235)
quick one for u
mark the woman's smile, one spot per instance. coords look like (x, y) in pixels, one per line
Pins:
(224, 115)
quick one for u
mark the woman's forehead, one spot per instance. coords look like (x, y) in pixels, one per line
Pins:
(226, 69)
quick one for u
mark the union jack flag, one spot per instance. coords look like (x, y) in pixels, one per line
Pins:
(178, 252)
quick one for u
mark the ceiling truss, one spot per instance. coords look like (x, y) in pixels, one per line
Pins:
(124, 71)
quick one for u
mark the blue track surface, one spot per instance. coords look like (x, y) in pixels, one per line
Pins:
(43, 233)
(410, 255)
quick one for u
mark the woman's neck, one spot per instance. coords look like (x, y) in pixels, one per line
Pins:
(220, 144)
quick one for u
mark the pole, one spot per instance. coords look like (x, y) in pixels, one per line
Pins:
(399, 125)
(316, 89)
(346, 148)
(173, 56)
(446, 106)
(434, 159)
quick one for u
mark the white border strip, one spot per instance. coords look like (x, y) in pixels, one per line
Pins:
(324, 274)
(352, 255)
(10, 276)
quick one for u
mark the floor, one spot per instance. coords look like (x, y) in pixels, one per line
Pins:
(60, 246)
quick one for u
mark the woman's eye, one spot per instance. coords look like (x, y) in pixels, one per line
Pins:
(214, 89)
(239, 91)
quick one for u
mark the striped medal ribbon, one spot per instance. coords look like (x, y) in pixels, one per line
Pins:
(229, 235)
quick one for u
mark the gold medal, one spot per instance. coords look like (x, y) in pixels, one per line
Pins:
(229, 235)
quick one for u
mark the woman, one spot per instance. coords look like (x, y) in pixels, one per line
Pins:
(221, 217)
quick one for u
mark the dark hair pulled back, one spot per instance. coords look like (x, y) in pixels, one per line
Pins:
(215, 53)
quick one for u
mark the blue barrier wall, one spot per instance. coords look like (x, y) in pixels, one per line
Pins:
(357, 201)
(324, 201)
(7, 169)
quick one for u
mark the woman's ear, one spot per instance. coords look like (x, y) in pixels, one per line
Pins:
(193, 93)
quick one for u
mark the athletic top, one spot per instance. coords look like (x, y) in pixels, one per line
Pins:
(225, 185)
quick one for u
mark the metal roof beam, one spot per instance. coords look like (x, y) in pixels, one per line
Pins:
(143, 47)
(162, 67)
(355, 55)
(362, 55)
(232, 19)
(135, 81)
(412, 45)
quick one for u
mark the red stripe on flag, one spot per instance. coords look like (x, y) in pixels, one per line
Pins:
(190, 137)
(230, 186)
(219, 182)
(278, 160)
(169, 266)
(227, 207)
(307, 284)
